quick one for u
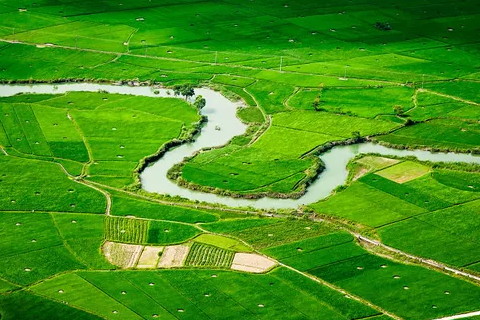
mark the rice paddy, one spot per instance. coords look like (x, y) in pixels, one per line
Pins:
(81, 239)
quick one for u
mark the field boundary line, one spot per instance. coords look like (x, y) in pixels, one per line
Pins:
(65, 243)
(107, 196)
(449, 96)
(85, 142)
(59, 301)
(460, 316)
(146, 294)
(173, 203)
(429, 262)
(192, 61)
(108, 295)
(334, 287)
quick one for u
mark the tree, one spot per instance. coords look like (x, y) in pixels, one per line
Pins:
(187, 91)
(316, 104)
(356, 135)
(177, 90)
(398, 110)
(200, 102)
(384, 26)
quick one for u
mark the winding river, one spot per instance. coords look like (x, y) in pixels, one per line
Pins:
(222, 126)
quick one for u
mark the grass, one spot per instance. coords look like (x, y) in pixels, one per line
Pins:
(308, 245)
(367, 205)
(162, 233)
(194, 294)
(120, 130)
(128, 206)
(32, 248)
(430, 216)
(25, 305)
(408, 291)
(281, 57)
(431, 105)
(251, 114)
(207, 256)
(279, 233)
(455, 135)
(84, 235)
(404, 171)
(46, 188)
(222, 242)
(275, 162)
(126, 230)
(367, 103)
(232, 225)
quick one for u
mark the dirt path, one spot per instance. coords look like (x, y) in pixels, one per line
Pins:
(50, 45)
(428, 262)
(346, 293)
(449, 96)
(107, 196)
(461, 316)
(85, 142)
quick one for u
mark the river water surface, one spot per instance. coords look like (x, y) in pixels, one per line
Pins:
(222, 126)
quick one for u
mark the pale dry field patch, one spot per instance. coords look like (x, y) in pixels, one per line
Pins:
(173, 256)
(121, 254)
(252, 262)
(149, 258)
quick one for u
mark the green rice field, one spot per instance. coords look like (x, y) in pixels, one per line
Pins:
(398, 240)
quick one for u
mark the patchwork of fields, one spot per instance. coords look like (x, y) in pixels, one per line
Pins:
(313, 75)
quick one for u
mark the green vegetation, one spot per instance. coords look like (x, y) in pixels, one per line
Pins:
(222, 242)
(313, 75)
(24, 305)
(409, 291)
(126, 229)
(107, 133)
(275, 162)
(46, 188)
(451, 135)
(195, 294)
(206, 256)
(161, 232)
(251, 114)
(431, 215)
(127, 206)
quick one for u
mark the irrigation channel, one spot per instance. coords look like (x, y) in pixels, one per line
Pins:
(222, 126)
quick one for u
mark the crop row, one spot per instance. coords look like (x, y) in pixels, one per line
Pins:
(126, 229)
(202, 255)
